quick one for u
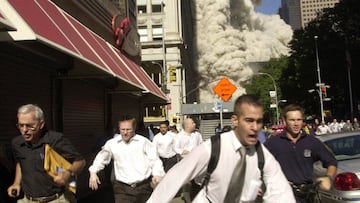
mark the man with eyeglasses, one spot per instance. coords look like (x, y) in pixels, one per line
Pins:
(29, 153)
(137, 168)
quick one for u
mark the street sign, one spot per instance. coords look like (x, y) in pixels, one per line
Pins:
(272, 93)
(224, 89)
(272, 106)
(218, 105)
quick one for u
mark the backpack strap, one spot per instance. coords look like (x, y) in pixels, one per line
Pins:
(214, 158)
(261, 162)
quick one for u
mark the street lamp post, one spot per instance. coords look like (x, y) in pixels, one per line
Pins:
(276, 97)
(164, 70)
(319, 84)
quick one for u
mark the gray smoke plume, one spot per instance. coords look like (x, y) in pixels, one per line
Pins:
(230, 35)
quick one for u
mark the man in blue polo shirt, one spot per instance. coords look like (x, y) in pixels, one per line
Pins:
(296, 152)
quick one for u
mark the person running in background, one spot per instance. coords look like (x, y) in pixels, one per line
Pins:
(164, 142)
(136, 164)
(187, 139)
(322, 129)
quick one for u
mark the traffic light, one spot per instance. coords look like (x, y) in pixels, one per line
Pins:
(176, 120)
(323, 91)
(172, 73)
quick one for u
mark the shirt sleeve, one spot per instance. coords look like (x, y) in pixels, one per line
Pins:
(155, 143)
(177, 148)
(187, 169)
(155, 162)
(200, 139)
(277, 187)
(102, 158)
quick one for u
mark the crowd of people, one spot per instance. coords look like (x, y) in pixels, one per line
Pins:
(156, 165)
(335, 126)
(319, 128)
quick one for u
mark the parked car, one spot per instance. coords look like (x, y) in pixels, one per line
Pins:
(346, 185)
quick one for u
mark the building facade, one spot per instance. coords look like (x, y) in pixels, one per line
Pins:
(298, 13)
(165, 28)
(74, 62)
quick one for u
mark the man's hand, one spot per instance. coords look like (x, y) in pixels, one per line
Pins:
(155, 181)
(185, 152)
(14, 190)
(94, 181)
(325, 183)
(62, 178)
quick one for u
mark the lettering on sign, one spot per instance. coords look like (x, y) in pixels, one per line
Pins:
(224, 89)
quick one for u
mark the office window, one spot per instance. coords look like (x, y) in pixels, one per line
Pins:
(156, 8)
(157, 31)
(142, 9)
(143, 32)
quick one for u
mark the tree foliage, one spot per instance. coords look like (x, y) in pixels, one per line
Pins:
(261, 85)
(338, 31)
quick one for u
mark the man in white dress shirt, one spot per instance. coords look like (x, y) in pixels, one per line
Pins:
(187, 139)
(136, 164)
(323, 129)
(247, 121)
(164, 142)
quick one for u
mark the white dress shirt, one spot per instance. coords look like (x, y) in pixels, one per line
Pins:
(195, 164)
(184, 141)
(133, 162)
(323, 129)
(165, 144)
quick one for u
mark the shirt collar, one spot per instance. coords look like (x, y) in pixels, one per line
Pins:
(237, 144)
(134, 138)
(283, 135)
(40, 142)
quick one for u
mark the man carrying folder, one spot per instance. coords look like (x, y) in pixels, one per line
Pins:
(38, 184)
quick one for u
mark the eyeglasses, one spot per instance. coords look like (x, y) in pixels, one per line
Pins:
(30, 126)
(126, 130)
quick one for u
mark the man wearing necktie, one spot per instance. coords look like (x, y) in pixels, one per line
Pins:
(223, 185)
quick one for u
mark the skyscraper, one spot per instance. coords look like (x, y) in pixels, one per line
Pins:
(298, 13)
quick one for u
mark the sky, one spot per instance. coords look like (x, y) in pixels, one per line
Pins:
(269, 6)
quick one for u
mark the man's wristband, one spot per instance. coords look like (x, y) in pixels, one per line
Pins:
(330, 177)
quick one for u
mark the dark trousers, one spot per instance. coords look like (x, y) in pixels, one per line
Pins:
(124, 193)
(302, 200)
(168, 162)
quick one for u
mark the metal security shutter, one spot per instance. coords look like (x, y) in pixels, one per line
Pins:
(83, 122)
(125, 104)
(207, 127)
(83, 113)
(20, 84)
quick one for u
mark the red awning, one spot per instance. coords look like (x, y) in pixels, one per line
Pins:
(57, 28)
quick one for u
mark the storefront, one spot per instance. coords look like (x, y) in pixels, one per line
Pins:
(81, 81)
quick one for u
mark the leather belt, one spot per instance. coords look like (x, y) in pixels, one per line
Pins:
(134, 185)
(43, 199)
(164, 159)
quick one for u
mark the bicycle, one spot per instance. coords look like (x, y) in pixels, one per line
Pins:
(308, 192)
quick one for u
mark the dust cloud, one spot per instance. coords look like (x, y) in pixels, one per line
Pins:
(230, 37)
